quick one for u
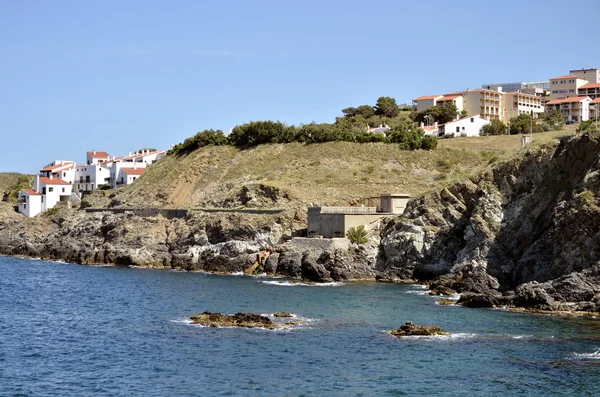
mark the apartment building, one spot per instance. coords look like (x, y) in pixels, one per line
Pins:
(591, 89)
(575, 109)
(517, 103)
(488, 104)
(565, 86)
(425, 102)
(591, 75)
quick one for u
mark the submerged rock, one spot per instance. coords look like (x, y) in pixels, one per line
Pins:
(282, 315)
(243, 320)
(412, 329)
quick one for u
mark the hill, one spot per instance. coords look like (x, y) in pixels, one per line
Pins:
(292, 175)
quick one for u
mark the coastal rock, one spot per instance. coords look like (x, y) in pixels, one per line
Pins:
(313, 271)
(243, 320)
(411, 329)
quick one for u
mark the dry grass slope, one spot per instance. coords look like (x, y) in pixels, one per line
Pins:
(335, 173)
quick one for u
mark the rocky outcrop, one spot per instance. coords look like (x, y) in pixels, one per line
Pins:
(241, 320)
(411, 329)
(510, 237)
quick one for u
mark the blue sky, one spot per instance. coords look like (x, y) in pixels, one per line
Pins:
(117, 76)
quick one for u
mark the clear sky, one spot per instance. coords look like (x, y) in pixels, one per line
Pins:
(118, 76)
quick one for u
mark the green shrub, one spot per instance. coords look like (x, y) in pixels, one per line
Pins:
(201, 139)
(429, 142)
(357, 235)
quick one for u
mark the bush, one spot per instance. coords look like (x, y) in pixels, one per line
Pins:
(357, 235)
(201, 139)
(429, 142)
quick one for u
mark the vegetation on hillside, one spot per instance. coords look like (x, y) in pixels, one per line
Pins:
(12, 183)
(353, 126)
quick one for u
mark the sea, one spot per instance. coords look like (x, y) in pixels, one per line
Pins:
(74, 330)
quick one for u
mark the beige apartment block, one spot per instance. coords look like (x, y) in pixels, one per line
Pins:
(565, 86)
(573, 108)
(517, 103)
(591, 75)
(489, 104)
(455, 98)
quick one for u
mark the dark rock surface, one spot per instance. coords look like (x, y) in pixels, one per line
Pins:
(243, 320)
(411, 329)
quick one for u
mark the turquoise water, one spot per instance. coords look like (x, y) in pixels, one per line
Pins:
(99, 331)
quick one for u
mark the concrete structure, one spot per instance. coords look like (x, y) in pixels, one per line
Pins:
(591, 75)
(517, 103)
(573, 108)
(565, 86)
(488, 104)
(455, 98)
(468, 126)
(591, 89)
(336, 221)
(595, 108)
(425, 102)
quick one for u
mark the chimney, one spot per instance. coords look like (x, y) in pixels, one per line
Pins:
(36, 187)
(129, 154)
(421, 125)
(51, 176)
(435, 124)
(94, 152)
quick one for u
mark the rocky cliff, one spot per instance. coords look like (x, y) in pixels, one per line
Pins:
(526, 233)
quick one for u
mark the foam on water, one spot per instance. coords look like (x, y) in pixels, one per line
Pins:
(291, 284)
(587, 356)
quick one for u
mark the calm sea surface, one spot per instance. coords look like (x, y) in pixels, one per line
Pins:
(71, 330)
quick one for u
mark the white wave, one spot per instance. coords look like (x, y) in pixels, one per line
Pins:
(587, 356)
(414, 292)
(520, 336)
(291, 284)
(421, 286)
(183, 321)
(237, 274)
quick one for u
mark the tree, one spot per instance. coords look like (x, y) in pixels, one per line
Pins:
(554, 118)
(260, 132)
(441, 114)
(365, 111)
(495, 127)
(523, 124)
(386, 106)
(201, 139)
(408, 136)
(464, 114)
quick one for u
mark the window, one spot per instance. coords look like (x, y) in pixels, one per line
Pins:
(472, 119)
(64, 174)
(24, 206)
(457, 129)
(63, 189)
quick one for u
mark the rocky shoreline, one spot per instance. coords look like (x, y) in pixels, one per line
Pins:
(525, 236)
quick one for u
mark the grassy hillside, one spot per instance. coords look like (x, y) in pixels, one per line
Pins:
(12, 182)
(291, 175)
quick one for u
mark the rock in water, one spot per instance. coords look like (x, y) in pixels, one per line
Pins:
(282, 315)
(411, 329)
(243, 320)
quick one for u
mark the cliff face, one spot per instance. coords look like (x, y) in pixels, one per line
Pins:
(535, 218)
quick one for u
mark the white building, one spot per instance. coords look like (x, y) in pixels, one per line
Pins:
(517, 103)
(468, 126)
(575, 109)
(425, 102)
(95, 157)
(592, 90)
(141, 159)
(91, 176)
(30, 202)
(62, 169)
(128, 175)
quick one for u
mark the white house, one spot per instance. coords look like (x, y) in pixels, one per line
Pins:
(90, 176)
(128, 175)
(95, 157)
(54, 191)
(467, 126)
(30, 202)
(62, 169)
(572, 108)
(140, 159)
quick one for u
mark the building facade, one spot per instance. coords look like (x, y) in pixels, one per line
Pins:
(517, 103)
(591, 89)
(565, 86)
(575, 109)
(488, 104)
(591, 75)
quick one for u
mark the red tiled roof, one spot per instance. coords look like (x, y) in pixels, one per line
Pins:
(135, 156)
(98, 154)
(67, 165)
(429, 128)
(426, 97)
(448, 98)
(572, 99)
(590, 85)
(53, 181)
(31, 192)
(597, 100)
(134, 171)
(567, 77)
